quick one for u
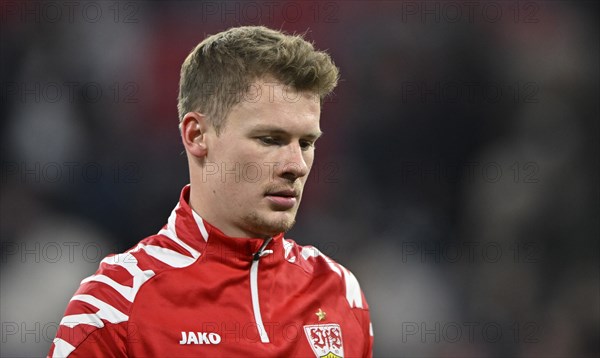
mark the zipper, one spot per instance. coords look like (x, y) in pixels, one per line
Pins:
(254, 290)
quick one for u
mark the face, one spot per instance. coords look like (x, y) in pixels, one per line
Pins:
(260, 161)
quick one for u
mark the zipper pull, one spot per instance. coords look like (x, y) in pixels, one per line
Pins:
(262, 252)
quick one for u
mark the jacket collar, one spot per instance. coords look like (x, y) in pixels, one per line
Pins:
(201, 238)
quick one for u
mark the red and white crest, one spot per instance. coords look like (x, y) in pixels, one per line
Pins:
(325, 340)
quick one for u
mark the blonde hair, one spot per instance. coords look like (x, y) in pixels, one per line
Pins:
(220, 70)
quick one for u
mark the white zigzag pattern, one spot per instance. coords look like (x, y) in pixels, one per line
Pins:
(171, 234)
(353, 292)
(129, 262)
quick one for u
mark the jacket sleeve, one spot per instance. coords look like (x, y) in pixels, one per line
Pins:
(364, 317)
(360, 307)
(108, 341)
(95, 323)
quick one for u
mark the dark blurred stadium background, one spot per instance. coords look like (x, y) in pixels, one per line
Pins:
(457, 178)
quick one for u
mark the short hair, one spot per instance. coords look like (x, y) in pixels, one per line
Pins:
(220, 69)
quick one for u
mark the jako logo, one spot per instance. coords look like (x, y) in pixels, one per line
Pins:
(199, 338)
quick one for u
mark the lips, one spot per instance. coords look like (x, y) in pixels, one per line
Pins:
(288, 193)
(282, 199)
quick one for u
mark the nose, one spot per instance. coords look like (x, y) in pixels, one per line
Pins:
(293, 164)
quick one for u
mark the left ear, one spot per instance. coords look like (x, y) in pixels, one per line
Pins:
(193, 134)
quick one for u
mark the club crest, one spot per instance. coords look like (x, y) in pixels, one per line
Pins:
(325, 340)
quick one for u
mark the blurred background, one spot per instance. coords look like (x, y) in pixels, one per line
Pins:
(457, 178)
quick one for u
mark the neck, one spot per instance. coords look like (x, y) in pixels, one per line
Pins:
(196, 199)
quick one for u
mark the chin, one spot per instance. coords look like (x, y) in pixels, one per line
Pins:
(270, 224)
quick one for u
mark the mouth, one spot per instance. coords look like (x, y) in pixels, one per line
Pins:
(286, 193)
(282, 199)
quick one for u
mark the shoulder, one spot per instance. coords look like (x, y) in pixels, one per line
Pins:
(315, 263)
(123, 274)
(104, 299)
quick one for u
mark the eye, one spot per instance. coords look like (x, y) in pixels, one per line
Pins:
(307, 144)
(269, 140)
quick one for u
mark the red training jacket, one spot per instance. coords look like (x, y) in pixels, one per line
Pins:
(192, 291)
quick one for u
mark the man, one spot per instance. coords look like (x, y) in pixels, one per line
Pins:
(220, 279)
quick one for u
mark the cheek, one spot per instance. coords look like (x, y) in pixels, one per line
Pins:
(252, 173)
(309, 159)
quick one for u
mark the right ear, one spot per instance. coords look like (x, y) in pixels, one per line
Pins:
(193, 134)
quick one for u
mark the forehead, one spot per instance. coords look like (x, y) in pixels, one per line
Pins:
(272, 103)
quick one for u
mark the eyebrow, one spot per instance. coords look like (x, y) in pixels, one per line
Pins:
(277, 130)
